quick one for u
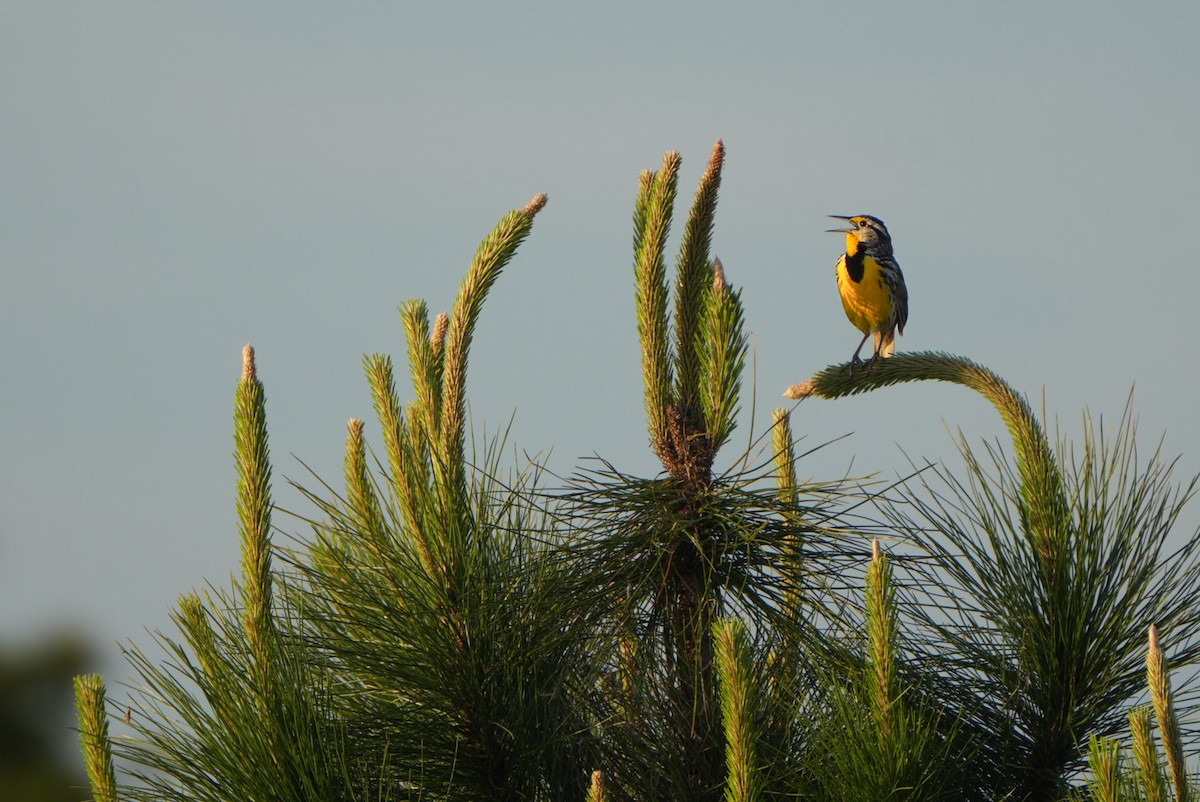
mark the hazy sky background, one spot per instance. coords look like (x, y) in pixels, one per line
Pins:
(179, 179)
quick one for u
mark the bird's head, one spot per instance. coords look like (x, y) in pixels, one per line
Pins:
(866, 232)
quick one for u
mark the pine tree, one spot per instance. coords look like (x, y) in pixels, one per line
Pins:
(454, 628)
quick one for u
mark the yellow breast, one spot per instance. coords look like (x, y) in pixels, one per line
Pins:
(868, 303)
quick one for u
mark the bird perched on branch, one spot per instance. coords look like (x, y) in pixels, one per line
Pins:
(871, 285)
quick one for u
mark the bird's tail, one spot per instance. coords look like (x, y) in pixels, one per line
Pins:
(885, 342)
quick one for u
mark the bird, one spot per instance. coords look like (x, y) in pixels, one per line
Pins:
(871, 285)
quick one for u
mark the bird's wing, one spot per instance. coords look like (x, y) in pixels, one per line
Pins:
(895, 280)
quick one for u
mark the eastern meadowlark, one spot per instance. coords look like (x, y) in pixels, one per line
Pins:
(871, 285)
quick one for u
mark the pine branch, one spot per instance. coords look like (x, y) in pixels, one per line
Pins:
(437, 344)
(409, 462)
(1104, 755)
(597, 793)
(783, 445)
(693, 277)
(192, 620)
(738, 710)
(641, 208)
(1164, 709)
(652, 223)
(360, 492)
(381, 378)
(254, 516)
(492, 255)
(881, 639)
(425, 368)
(1051, 623)
(1145, 753)
(722, 357)
(94, 738)
(1042, 484)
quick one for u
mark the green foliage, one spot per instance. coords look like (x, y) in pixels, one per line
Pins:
(93, 736)
(1053, 640)
(691, 390)
(880, 739)
(739, 715)
(652, 223)
(721, 351)
(694, 277)
(1045, 575)
(1115, 777)
(452, 628)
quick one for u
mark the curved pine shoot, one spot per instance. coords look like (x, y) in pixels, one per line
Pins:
(493, 254)
(1041, 480)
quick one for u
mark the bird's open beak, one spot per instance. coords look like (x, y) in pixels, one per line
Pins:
(840, 230)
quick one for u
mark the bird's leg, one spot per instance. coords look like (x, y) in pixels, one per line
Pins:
(874, 356)
(854, 360)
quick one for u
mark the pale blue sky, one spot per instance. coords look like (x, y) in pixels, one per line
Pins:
(179, 179)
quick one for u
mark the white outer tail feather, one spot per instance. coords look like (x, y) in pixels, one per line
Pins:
(885, 342)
